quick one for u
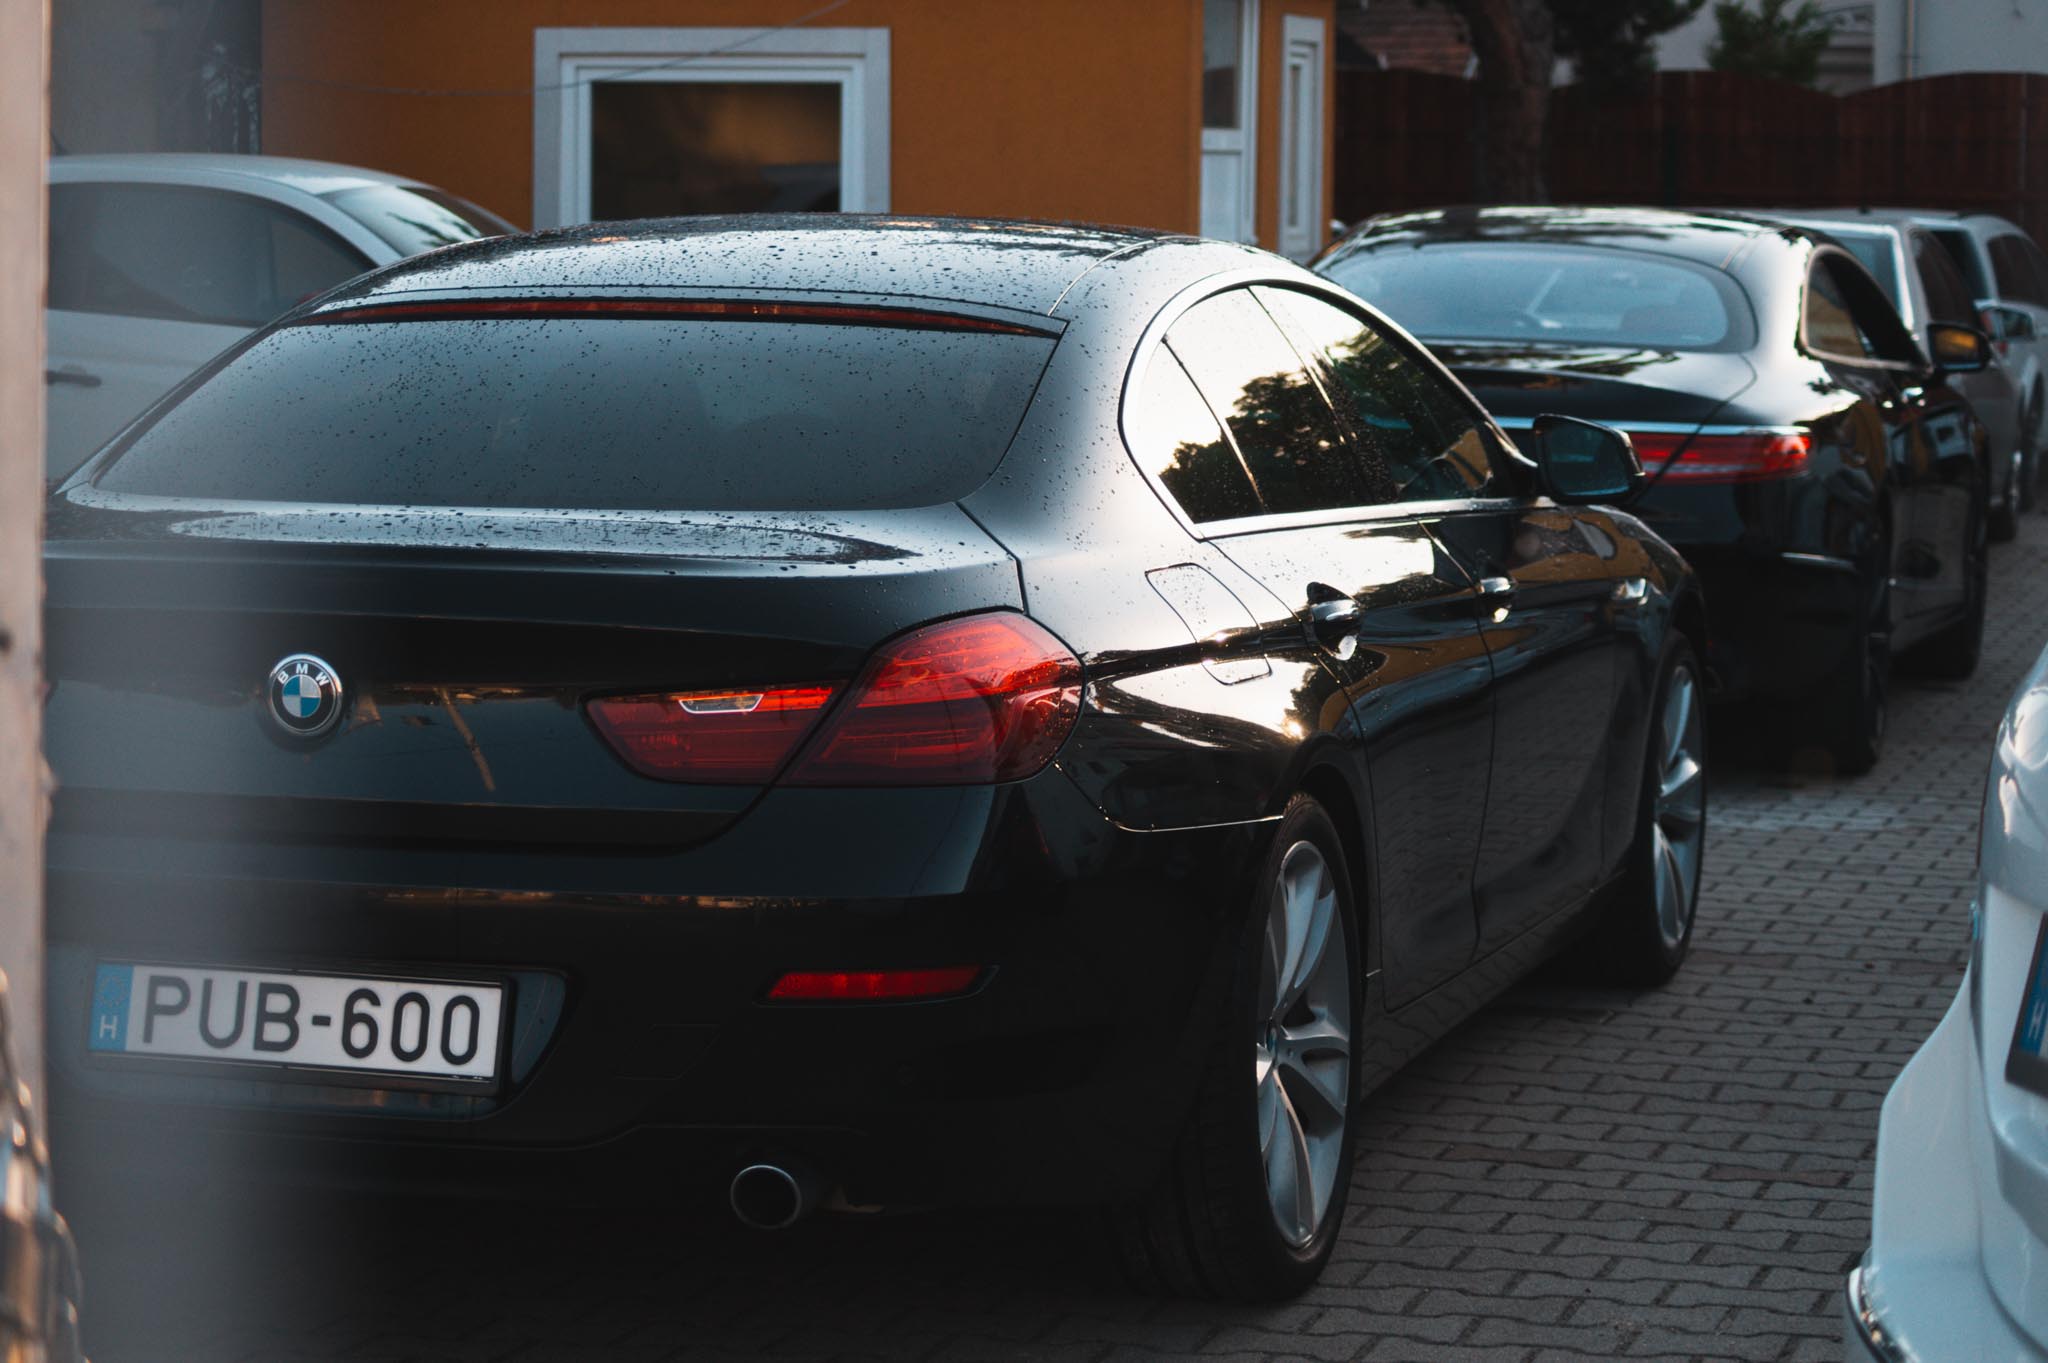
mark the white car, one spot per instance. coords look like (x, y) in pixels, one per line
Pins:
(1958, 1260)
(2006, 270)
(159, 262)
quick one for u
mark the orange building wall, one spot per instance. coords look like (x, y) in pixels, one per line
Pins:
(1084, 109)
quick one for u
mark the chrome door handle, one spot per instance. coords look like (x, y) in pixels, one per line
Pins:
(1333, 618)
(1496, 597)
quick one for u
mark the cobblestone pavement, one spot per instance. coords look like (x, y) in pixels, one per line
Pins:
(1573, 1174)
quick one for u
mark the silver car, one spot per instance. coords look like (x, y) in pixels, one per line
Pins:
(160, 262)
(1958, 1261)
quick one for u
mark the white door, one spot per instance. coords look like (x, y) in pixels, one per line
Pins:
(1301, 138)
(1230, 69)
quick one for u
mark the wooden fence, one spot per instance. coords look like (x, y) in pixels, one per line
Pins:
(1404, 139)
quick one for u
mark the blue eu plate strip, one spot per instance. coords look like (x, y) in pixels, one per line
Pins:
(110, 990)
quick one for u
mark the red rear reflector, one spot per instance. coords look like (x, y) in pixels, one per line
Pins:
(980, 699)
(1741, 458)
(737, 736)
(864, 986)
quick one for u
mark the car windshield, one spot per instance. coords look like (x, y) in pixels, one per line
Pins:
(587, 413)
(415, 218)
(1587, 295)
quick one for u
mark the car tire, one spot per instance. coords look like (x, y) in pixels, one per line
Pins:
(2030, 443)
(1274, 1103)
(1848, 712)
(1952, 654)
(1643, 933)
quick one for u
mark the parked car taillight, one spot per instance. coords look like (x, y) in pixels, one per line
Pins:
(978, 699)
(1749, 456)
(729, 737)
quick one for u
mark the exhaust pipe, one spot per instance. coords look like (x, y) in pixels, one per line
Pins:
(775, 1196)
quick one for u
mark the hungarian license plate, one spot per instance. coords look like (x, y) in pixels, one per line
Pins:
(429, 1029)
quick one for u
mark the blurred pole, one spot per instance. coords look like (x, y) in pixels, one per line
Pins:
(24, 136)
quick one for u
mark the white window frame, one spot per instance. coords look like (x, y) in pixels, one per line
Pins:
(1302, 229)
(567, 60)
(1242, 141)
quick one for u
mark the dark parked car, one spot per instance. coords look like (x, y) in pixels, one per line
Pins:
(1815, 466)
(960, 712)
(1922, 280)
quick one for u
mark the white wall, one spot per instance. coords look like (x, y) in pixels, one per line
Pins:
(1963, 35)
(23, 64)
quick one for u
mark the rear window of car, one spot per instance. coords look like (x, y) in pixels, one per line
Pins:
(1873, 250)
(1590, 295)
(590, 413)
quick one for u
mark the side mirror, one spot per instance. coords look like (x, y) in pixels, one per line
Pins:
(1958, 350)
(2008, 324)
(1583, 461)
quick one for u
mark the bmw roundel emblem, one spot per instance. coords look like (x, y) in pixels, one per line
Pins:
(305, 695)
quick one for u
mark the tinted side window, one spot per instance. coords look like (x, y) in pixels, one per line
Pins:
(1948, 296)
(1847, 316)
(1962, 249)
(187, 255)
(2015, 272)
(1254, 380)
(1178, 441)
(1416, 438)
(2039, 262)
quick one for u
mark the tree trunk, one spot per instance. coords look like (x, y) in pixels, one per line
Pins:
(1516, 43)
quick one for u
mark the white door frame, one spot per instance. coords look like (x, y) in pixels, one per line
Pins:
(567, 60)
(1303, 103)
(1241, 142)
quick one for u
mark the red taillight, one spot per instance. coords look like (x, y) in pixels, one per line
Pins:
(730, 737)
(1740, 458)
(872, 986)
(978, 699)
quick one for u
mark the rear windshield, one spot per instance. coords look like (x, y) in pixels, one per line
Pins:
(583, 413)
(1581, 294)
(1873, 250)
(415, 218)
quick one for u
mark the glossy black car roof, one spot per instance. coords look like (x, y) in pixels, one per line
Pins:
(990, 262)
(1709, 239)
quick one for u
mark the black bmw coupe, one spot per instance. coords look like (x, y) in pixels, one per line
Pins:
(926, 712)
(1809, 459)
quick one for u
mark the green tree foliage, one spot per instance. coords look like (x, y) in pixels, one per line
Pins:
(1518, 41)
(1612, 47)
(1772, 40)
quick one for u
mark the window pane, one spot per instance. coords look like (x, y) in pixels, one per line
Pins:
(2015, 273)
(585, 413)
(1874, 252)
(187, 255)
(1963, 250)
(1416, 438)
(307, 260)
(413, 219)
(1579, 294)
(1222, 51)
(1829, 327)
(1948, 297)
(663, 148)
(1284, 429)
(1179, 442)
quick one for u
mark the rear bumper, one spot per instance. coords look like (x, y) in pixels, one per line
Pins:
(644, 1055)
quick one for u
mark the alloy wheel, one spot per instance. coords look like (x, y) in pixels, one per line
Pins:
(1303, 1048)
(1678, 829)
